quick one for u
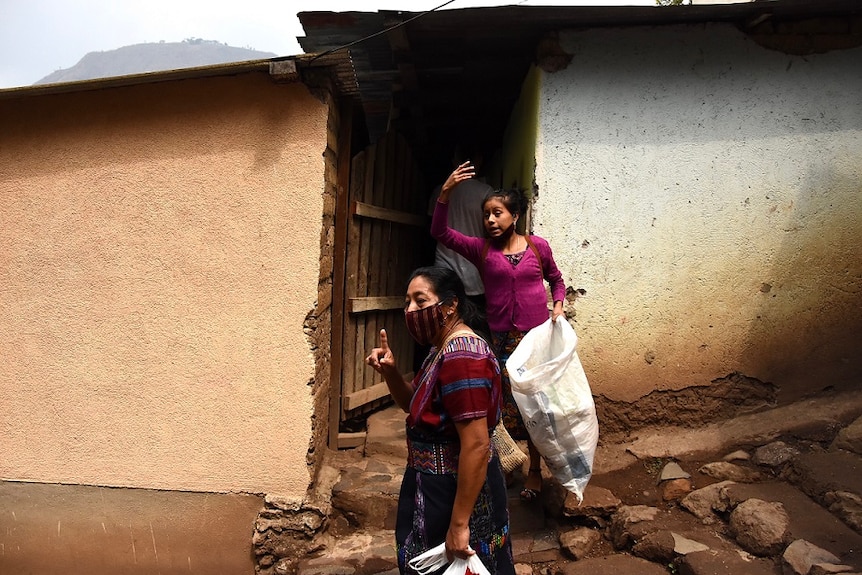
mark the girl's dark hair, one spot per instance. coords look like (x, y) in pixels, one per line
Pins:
(513, 198)
(448, 286)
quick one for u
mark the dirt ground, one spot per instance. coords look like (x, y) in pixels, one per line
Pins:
(636, 484)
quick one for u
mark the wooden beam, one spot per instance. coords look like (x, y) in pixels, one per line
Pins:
(400, 45)
(364, 210)
(283, 71)
(363, 396)
(372, 303)
(338, 314)
(369, 394)
(350, 440)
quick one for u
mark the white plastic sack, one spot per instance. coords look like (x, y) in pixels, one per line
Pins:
(435, 558)
(554, 397)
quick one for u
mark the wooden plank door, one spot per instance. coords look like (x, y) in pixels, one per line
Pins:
(386, 231)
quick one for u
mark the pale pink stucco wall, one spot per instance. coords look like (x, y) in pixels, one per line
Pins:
(159, 252)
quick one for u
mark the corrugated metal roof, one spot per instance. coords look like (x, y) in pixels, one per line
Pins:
(435, 75)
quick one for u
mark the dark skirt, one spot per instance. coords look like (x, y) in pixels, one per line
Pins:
(425, 508)
(503, 344)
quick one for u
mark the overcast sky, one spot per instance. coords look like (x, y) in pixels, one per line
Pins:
(38, 37)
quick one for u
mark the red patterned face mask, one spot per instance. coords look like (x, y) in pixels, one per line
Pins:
(423, 324)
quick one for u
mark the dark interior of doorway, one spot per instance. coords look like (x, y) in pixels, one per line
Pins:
(434, 170)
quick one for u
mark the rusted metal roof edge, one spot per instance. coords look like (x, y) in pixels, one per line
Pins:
(210, 71)
(353, 25)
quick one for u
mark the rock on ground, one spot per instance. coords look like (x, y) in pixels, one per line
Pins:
(801, 555)
(623, 522)
(850, 438)
(760, 527)
(723, 563)
(774, 454)
(703, 502)
(579, 542)
(619, 564)
(808, 520)
(725, 471)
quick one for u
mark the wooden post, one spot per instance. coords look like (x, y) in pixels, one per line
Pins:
(342, 217)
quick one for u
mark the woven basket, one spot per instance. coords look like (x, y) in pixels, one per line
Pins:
(511, 456)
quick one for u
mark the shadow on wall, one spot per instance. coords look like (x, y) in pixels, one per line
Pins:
(718, 183)
(807, 333)
(159, 122)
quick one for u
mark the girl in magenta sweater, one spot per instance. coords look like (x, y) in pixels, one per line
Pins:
(514, 268)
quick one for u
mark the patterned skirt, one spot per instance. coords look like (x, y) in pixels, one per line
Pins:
(425, 508)
(504, 343)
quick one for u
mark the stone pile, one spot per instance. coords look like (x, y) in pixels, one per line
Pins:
(789, 507)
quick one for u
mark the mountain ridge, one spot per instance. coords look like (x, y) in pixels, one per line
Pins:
(152, 57)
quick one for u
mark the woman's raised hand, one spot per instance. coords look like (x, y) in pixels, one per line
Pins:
(381, 358)
(463, 172)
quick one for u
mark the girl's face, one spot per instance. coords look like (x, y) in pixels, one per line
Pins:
(498, 219)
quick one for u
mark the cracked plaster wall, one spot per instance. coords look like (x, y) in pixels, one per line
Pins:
(705, 192)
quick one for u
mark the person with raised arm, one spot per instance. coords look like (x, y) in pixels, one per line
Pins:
(514, 268)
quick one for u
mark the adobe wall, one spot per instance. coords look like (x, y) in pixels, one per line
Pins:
(703, 193)
(90, 530)
(160, 250)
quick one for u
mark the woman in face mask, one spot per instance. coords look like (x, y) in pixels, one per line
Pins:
(514, 268)
(453, 489)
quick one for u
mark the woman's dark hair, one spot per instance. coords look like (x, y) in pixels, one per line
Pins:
(513, 198)
(448, 286)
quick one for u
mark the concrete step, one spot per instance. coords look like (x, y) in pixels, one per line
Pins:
(366, 495)
(386, 435)
(366, 552)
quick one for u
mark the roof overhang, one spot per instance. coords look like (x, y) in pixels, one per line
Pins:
(433, 74)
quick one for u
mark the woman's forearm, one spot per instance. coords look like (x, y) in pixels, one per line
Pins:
(472, 469)
(440, 221)
(400, 390)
